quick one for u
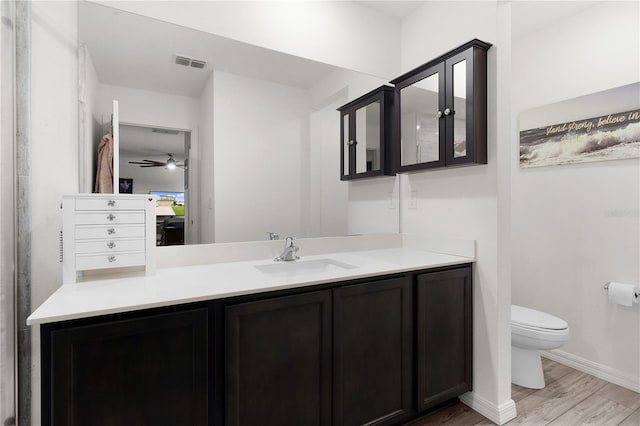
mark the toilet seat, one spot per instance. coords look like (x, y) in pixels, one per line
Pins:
(540, 333)
(532, 319)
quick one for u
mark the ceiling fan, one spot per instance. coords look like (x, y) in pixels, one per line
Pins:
(169, 164)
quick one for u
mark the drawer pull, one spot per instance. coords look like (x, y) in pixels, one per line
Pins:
(111, 244)
(111, 259)
(111, 231)
(111, 217)
(111, 203)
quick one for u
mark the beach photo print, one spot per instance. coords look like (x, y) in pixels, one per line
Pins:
(596, 127)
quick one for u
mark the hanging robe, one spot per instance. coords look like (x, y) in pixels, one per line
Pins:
(104, 170)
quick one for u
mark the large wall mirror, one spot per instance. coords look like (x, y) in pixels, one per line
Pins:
(235, 140)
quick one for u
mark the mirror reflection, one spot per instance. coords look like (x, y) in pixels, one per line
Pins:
(460, 108)
(345, 147)
(420, 124)
(368, 138)
(254, 133)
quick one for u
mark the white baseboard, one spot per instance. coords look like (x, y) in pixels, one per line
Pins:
(499, 414)
(600, 371)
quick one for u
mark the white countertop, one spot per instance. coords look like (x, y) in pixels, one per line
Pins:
(173, 286)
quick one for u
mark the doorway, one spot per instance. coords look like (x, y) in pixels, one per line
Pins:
(155, 161)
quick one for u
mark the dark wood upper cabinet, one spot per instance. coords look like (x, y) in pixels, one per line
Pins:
(441, 111)
(278, 361)
(365, 135)
(444, 336)
(373, 347)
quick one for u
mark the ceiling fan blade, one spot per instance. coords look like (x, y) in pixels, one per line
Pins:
(148, 162)
(154, 165)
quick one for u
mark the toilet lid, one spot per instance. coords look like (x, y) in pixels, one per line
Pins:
(536, 319)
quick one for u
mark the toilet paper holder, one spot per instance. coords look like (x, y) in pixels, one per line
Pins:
(636, 292)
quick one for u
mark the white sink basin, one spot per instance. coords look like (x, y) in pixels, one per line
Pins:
(302, 267)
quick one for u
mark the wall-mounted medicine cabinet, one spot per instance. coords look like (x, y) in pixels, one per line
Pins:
(365, 135)
(441, 111)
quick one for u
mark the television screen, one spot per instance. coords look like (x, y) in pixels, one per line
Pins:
(169, 203)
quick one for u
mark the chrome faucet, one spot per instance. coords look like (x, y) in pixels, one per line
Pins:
(290, 250)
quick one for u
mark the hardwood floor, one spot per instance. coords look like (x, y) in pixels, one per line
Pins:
(569, 398)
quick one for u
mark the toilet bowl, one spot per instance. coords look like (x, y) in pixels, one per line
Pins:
(531, 332)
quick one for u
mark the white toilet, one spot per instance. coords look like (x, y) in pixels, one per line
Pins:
(531, 332)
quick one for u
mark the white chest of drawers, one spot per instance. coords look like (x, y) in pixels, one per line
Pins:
(102, 231)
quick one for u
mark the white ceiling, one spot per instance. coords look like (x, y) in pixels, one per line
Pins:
(135, 51)
(138, 143)
(396, 9)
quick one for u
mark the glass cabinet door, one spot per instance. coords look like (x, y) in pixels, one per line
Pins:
(460, 108)
(458, 105)
(421, 119)
(368, 137)
(346, 145)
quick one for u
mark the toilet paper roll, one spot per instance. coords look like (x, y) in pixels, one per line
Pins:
(622, 294)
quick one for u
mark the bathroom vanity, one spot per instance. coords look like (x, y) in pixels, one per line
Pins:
(366, 337)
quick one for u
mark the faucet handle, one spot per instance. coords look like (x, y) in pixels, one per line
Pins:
(290, 242)
(273, 236)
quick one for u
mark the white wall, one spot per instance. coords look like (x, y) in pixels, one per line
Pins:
(464, 202)
(355, 83)
(576, 227)
(201, 159)
(90, 121)
(329, 195)
(54, 130)
(260, 130)
(146, 108)
(344, 34)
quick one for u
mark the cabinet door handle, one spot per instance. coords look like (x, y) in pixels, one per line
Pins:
(439, 114)
(111, 203)
(352, 142)
(448, 111)
(111, 244)
(111, 217)
(111, 231)
(111, 259)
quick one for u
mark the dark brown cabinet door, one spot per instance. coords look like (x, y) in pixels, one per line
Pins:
(278, 361)
(143, 371)
(372, 352)
(444, 336)
(365, 135)
(465, 114)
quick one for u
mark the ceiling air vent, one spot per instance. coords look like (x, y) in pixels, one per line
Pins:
(196, 63)
(165, 131)
(183, 60)
(190, 62)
